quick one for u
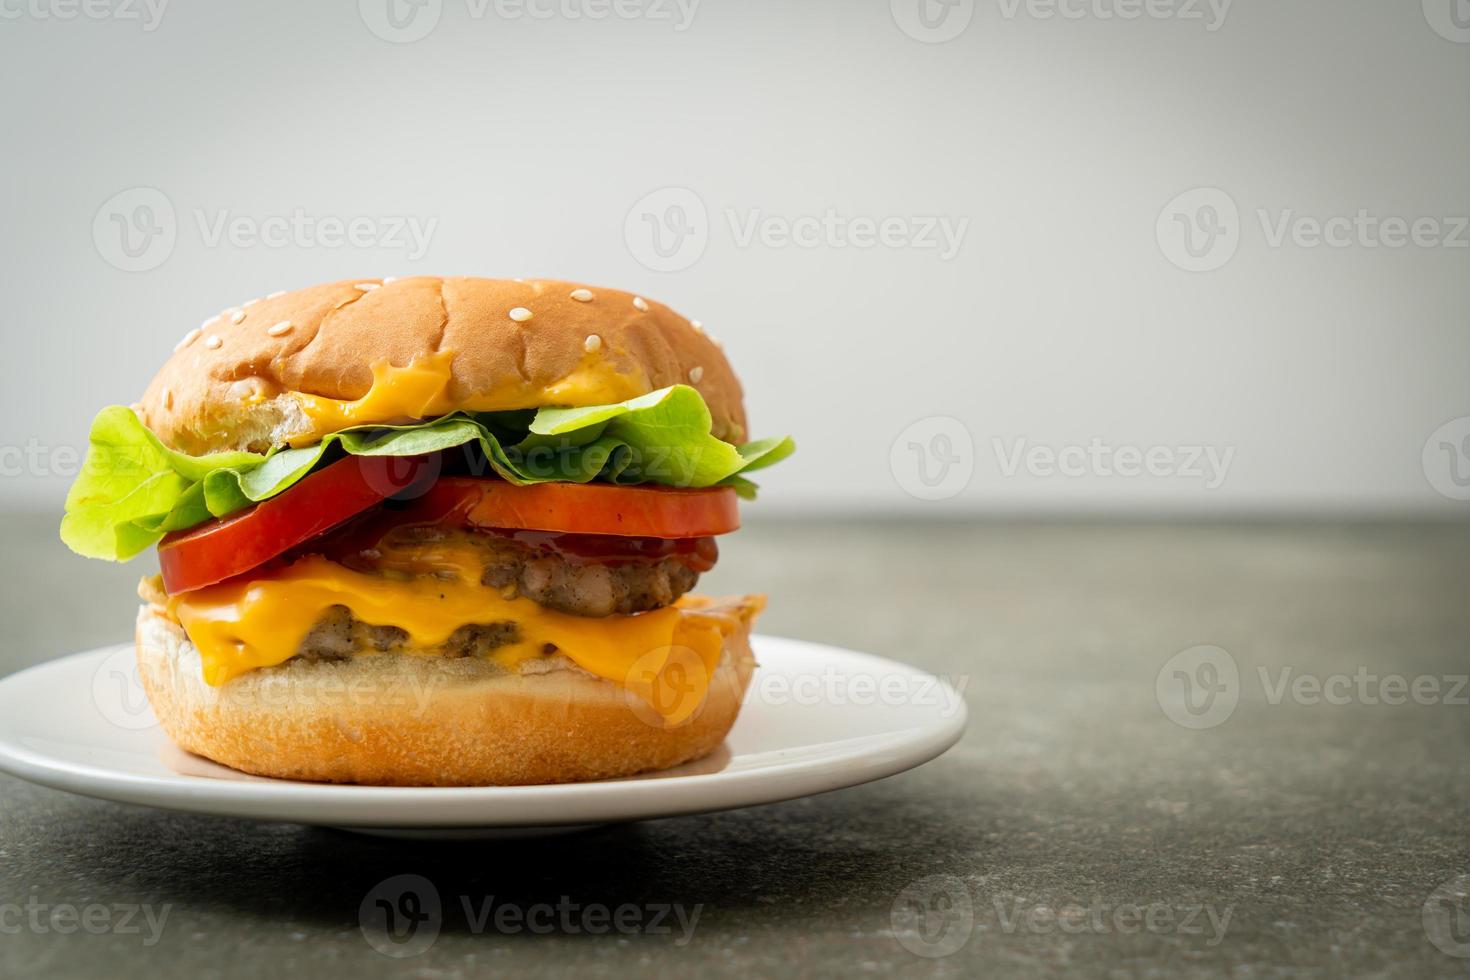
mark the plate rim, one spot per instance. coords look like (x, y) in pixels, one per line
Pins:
(676, 795)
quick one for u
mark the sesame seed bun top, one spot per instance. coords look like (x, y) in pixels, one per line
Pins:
(239, 381)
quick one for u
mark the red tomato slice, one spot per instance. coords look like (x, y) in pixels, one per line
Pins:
(234, 545)
(229, 546)
(576, 508)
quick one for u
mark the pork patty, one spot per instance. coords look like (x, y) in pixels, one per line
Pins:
(338, 635)
(545, 576)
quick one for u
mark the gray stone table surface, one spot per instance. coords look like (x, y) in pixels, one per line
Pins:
(1075, 829)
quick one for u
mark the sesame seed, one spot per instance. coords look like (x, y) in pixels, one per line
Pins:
(249, 302)
(696, 374)
(640, 303)
(390, 279)
(582, 295)
(284, 327)
(168, 398)
(520, 314)
(278, 292)
(213, 342)
(697, 325)
(189, 338)
(366, 286)
(237, 316)
(593, 343)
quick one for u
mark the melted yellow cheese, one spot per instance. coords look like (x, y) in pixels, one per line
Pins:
(666, 656)
(421, 391)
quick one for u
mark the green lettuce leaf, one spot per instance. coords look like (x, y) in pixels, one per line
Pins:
(132, 489)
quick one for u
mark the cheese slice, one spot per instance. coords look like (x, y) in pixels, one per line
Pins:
(421, 391)
(666, 656)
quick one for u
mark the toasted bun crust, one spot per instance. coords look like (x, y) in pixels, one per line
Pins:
(231, 384)
(407, 720)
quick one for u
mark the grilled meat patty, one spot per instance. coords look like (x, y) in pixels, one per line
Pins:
(580, 586)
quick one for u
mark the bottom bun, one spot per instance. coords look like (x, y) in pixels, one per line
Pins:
(408, 720)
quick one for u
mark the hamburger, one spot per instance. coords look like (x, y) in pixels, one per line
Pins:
(433, 531)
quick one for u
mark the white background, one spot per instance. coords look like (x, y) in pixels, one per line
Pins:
(1060, 140)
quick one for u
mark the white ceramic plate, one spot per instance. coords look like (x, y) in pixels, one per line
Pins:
(816, 718)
